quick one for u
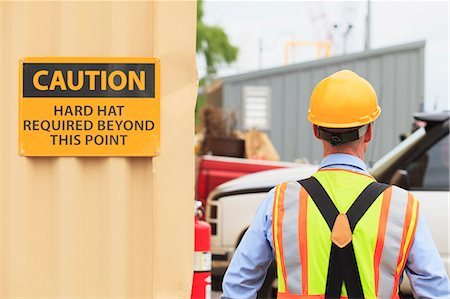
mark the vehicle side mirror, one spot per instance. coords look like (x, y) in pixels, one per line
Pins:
(401, 179)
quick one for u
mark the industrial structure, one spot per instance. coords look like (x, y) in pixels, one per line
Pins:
(276, 100)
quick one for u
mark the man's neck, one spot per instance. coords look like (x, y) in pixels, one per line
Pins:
(349, 151)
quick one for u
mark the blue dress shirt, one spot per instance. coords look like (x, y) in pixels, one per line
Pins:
(247, 270)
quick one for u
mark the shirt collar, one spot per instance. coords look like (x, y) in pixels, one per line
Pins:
(344, 161)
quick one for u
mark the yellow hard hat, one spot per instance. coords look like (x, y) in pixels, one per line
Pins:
(343, 100)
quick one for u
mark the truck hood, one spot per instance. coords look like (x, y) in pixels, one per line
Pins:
(266, 179)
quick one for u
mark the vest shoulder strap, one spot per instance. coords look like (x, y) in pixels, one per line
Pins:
(364, 201)
(321, 199)
(328, 209)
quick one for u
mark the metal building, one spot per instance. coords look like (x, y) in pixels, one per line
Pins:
(276, 100)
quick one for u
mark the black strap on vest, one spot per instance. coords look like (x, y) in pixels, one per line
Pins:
(342, 267)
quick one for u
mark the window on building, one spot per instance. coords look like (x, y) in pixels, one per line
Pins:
(256, 108)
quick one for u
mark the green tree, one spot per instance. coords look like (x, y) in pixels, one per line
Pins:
(213, 44)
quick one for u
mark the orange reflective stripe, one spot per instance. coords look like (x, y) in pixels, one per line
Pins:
(277, 229)
(275, 236)
(414, 226)
(274, 222)
(280, 231)
(401, 257)
(411, 231)
(381, 234)
(302, 233)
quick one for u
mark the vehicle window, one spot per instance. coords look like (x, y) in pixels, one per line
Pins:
(431, 170)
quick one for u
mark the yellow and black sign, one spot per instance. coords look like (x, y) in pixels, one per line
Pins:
(89, 107)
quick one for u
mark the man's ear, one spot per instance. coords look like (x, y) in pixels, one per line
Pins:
(316, 131)
(368, 135)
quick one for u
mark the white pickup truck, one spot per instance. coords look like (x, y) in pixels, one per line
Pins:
(420, 164)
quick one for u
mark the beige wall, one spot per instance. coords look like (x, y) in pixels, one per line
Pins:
(99, 227)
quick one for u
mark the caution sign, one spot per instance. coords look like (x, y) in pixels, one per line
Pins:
(89, 107)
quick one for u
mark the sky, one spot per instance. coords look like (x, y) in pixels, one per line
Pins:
(260, 29)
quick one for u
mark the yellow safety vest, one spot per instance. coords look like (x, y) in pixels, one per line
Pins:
(301, 236)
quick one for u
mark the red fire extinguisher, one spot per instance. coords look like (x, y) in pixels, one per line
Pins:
(201, 285)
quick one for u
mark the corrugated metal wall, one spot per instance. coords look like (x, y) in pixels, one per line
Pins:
(99, 227)
(396, 73)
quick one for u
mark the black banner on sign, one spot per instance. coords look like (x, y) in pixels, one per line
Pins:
(88, 80)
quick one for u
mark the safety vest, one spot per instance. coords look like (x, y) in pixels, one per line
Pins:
(301, 236)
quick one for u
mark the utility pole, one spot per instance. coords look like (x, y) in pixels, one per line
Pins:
(260, 52)
(344, 36)
(349, 27)
(368, 19)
